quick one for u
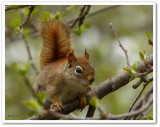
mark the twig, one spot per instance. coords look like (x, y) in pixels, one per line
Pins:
(25, 41)
(29, 53)
(8, 8)
(145, 73)
(81, 16)
(139, 95)
(120, 44)
(31, 8)
(96, 12)
(144, 86)
(143, 99)
(102, 114)
(135, 86)
(133, 113)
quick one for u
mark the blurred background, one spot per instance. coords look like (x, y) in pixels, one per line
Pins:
(131, 23)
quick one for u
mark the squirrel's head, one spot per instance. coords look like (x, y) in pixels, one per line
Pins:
(79, 69)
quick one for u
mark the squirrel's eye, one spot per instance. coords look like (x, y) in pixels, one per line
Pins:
(78, 70)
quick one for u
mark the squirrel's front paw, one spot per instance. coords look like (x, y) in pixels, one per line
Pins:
(83, 102)
(58, 105)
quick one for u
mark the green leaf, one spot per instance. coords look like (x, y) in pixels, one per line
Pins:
(31, 113)
(148, 35)
(127, 69)
(33, 105)
(135, 65)
(78, 31)
(57, 16)
(86, 26)
(45, 16)
(30, 104)
(150, 42)
(143, 56)
(42, 96)
(82, 28)
(21, 68)
(94, 101)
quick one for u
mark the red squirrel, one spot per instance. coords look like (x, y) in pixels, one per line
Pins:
(63, 76)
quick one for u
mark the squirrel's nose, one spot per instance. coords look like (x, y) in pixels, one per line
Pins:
(91, 80)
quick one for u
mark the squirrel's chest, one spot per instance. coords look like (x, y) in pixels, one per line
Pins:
(71, 91)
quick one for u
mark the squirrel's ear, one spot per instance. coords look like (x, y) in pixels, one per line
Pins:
(86, 54)
(71, 56)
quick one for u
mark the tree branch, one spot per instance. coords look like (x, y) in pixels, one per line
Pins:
(24, 38)
(120, 44)
(100, 91)
(8, 8)
(142, 101)
(31, 8)
(144, 86)
(29, 52)
(96, 12)
(81, 16)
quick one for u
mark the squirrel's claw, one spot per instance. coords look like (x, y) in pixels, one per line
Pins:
(83, 103)
(58, 105)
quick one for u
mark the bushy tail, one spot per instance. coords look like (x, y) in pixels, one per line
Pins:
(57, 43)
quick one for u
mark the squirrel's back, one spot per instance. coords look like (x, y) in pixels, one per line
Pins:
(57, 42)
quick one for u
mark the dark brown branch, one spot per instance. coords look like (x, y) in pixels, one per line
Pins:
(91, 111)
(101, 90)
(135, 86)
(120, 44)
(31, 8)
(82, 15)
(8, 8)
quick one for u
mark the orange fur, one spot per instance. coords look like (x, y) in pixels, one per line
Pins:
(83, 60)
(57, 43)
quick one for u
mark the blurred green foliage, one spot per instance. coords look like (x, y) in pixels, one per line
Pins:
(132, 22)
(94, 101)
(80, 30)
